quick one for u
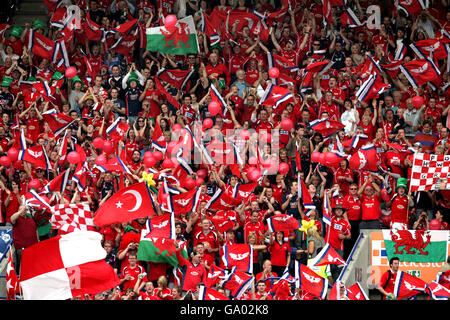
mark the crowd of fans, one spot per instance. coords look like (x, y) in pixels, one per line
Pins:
(302, 37)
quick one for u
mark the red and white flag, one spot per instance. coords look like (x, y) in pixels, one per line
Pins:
(205, 293)
(243, 191)
(57, 121)
(419, 72)
(35, 155)
(407, 285)
(328, 255)
(42, 46)
(239, 256)
(275, 95)
(117, 130)
(356, 292)
(443, 278)
(92, 30)
(411, 7)
(215, 275)
(132, 202)
(59, 183)
(237, 282)
(66, 266)
(209, 30)
(11, 279)
(437, 291)
(162, 226)
(282, 222)
(309, 281)
(186, 202)
(428, 170)
(222, 201)
(72, 217)
(158, 140)
(430, 49)
(176, 77)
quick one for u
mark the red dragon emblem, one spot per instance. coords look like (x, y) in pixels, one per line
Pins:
(179, 34)
(405, 239)
(163, 244)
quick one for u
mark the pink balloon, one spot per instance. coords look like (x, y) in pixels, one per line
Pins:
(315, 155)
(108, 147)
(208, 123)
(98, 142)
(254, 174)
(322, 158)
(417, 101)
(170, 21)
(202, 173)
(274, 72)
(245, 134)
(71, 72)
(384, 195)
(283, 168)
(73, 157)
(158, 155)
(214, 108)
(189, 183)
(149, 161)
(199, 181)
(100, 160)
(13, 154)
(167, 164)
(176, 128)
(287, 125)
(35, 183)
(5, 161)
(331, 158)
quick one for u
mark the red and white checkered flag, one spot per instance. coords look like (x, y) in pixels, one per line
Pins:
(430, 172)
(72, 217)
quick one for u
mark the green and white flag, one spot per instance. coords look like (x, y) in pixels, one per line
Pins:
(417, 245)
(160, 250)
(182, 40)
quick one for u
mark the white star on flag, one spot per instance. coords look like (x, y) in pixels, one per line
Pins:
(119, 204)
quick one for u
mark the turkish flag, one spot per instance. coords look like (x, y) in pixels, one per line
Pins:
(127, 204)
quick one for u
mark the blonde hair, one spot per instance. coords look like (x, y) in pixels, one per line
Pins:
(163, 281)
(312, 232)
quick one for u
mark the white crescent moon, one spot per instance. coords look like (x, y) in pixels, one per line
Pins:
(138, 197)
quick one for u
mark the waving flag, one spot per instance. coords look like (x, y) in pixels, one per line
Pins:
(158, 140)
(437, 291)
(223, 221)
(304, 196)
(419, 72)
(170, 99)
(176, 77)
(44, 89)
(282, 222)
(205, 293)
(57, 121)
(41, 46)
(443, 278)
(350, 19)
(216, 97)
(326, 214)
(237, 282)
(59, 183)
(243, 191)
(162, 226)
(66, 266)
(326, 127)
(80, 176)
(356, 292)
(365, 159)
(429, 49)
(12, 282)
(215, 275)
(275, 95)
(407, 285)
(209, 30)
(239, 256)
(117, 130)
(92, 30)
(158, 250)
(35, 155)
(280, 62)
(186, 202)
(371, 88)
(124, 44)
(222, 201)
(328, 255)
(411, 7)
(125, 205)
(72, 217)
(393, 68)
(309, 281)
(335, 292)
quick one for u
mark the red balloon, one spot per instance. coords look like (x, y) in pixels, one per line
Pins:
(176, 128)
(254, 174)
(315, 155)
(158, 155)
(417, 102)
(13, 154)
(331, 158)
(253, 161)
(35, 183)
(199, 181)
(100, 160)
(214, 108)
(73, 157)
(283, 168)
(274, 72)
(287, 125)
(385, 195)
(189, 183)
(208, 123)
(71, 72)
(108, 147)
(245, 134)
(149, 161)
(5, 161)
(202, 173)
(98, 142)
(148, 154)
(168, 163)
(435, 224)
(170, 21)
(322, 158)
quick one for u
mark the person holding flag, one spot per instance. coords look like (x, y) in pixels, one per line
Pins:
(387, 280)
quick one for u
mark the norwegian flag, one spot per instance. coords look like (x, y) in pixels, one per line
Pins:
(430, 49)
(215, 275)
(326, 127)
(282, 222)
(243, 191)
(117, 129)
(237, 282)
(419, 72)
(309, 281)
(328, 256)
(176, 77)
(239, 256)
(12, 282)
(350, 19)
(205, 293)
(72, 217)
(411, 7)
(158, 141)
(304, 196)
(437, 291)
(371, 88)
(209, 30)
(186, 202)
(57, 121)
(222, 201)
(407, 285)
(275, 95)
(92, 30)
(35, 155)
(59, 183)
(162, 226)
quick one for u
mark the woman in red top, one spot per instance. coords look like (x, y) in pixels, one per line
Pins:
(280, 253)
(162, 291)
(344, 177)
(12, 200)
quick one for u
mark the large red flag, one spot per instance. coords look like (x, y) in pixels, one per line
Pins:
(407, 285)
(206, 293)
(239, 256)
(310, 281)
(11, 279)
(127, 204)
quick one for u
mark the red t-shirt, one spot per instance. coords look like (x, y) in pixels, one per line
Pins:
(353, 206)
(370, 208)
(279, 253)
(338, 226)
(399, 208)
(134, 272)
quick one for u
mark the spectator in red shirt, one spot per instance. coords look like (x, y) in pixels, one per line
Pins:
(386, 284)
(370, 204)
(280, 251)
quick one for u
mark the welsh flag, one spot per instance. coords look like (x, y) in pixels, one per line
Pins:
(417, 245)
(182, 40)
(159, 250)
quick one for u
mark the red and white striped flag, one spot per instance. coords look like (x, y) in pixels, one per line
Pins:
(72, 217)
(11, 279)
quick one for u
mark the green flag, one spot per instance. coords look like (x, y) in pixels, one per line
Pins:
(416, 246)
(160, 250)
(182, 40)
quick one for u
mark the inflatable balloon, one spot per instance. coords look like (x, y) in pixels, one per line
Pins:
(199, 181)
(98, 142)
(315, 155)
(35, 183)
(286, 125)
(332, 159)
(417, 102)
(5, 161)
(100, 160)
(274, 72)
(189, 183)
(71, 72)
(167, 164)
(108, 147)
(322, 159)
(73, 157)
(170, 21)
(202, 173)
(283, 168)
(435, 224)
(149, 161)
(214, 108)
(13, 154)
(208, 123)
